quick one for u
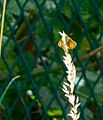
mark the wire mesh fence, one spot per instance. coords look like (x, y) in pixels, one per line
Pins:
(30, 50)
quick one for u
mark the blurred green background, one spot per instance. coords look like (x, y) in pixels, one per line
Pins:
(30, 49)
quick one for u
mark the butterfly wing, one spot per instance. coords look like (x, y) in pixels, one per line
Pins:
(71, 44)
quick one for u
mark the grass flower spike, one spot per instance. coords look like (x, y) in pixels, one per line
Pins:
(68, 88)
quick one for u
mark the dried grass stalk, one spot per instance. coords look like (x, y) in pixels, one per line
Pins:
(68, 88)
(2, 25)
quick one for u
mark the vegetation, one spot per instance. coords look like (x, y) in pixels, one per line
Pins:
(30, 49)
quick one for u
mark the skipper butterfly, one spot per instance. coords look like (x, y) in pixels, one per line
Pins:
(71, 44)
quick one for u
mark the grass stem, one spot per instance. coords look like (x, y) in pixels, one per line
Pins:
(2, 25)
(2, 96)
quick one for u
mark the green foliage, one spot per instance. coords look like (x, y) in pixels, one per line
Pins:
(43, 60)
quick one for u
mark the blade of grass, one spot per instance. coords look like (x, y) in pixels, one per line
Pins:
(2, 25)
(2, 96)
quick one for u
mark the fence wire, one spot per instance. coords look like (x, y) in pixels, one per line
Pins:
(30, 50)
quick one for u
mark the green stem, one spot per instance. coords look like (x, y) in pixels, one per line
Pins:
(2, 96)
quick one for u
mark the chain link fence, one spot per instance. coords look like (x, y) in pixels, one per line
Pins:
(30, 50)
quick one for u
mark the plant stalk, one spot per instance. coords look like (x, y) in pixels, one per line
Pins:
(2, 25)
(2, 96)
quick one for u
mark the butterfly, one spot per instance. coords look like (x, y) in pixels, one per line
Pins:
(71, 44)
